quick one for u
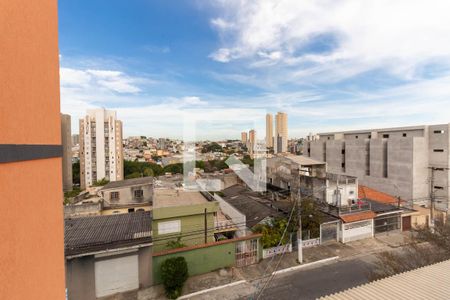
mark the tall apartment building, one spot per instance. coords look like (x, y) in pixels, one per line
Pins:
(410, 162)
(66, 141)
(101, 150)
(75, 139)
(251, 141)
(31, 221)
(269, 131)
(281, 133)
(244, 137)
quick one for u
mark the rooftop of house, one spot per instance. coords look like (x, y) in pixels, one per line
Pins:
(430, 282)
(247, 203)
(127, 183)
(302, 160)
(358, 216)
(167, 197)
(368, 193)
(99, 233)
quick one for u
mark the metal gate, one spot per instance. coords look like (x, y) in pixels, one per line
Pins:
(328, 232)
(246, 252)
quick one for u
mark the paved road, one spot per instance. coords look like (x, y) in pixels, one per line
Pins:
(317, 282)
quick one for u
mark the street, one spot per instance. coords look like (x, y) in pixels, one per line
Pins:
(318, 282)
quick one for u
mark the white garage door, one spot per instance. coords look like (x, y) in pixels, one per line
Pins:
(116, 275)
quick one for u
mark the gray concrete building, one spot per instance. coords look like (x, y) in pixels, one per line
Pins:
(66, 141)
(410, 162)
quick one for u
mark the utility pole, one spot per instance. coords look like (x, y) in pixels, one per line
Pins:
(206, 228)
(299, 217)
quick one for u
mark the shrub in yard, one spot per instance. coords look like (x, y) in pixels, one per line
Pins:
(174, 272)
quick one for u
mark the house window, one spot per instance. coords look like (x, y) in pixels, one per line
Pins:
(138, 193)
(438, 150)
(438, 131)
(438, 187)
(356, 137)
(404, 135)
(169, 227)
(131, 210)
(114, 196)
(385, 136)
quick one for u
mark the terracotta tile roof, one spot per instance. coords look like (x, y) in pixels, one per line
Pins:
(365, 192)
(354, 217)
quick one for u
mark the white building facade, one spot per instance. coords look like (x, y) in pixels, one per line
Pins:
(101, 150)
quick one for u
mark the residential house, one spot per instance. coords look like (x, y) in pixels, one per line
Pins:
(106, 255)
(184, 216)
(127, 195)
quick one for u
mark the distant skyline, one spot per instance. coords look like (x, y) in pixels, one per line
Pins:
(331, 65)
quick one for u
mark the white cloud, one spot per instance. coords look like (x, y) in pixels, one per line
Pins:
(222, 55)
(109, 80)
(399, 36)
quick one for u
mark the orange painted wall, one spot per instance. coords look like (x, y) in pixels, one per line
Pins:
(29, 72)
(31, 218)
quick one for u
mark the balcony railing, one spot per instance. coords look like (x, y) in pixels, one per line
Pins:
(343, 210)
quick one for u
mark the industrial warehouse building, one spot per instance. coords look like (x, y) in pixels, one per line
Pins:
(410, 162)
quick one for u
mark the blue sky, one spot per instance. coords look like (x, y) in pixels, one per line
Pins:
(331, 65)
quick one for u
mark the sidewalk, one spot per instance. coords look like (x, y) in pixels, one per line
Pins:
(253, 273)
(194, 284)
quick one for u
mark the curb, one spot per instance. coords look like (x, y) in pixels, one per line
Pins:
(305, 265)
(211, 289)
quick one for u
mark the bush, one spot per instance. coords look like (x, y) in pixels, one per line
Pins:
(174, 272)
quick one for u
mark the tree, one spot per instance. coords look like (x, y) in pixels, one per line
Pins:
(272, 232)
(175, 244)
(133, 167)
(311, 218)
(174, 272)
(428, 247)
(212, 147)
(76, 172)
(100, 182)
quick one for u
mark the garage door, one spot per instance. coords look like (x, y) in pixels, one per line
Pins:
(116, 275)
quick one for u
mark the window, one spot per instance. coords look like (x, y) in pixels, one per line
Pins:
(438, 187)
(404, 135)
(131, 210)
(169, 227)
(138, 193)
(351, 192)
(438, 150)
(356, 137)
(370, 136)
(385, 136)
(114, 196)
(438, 131)
(343, 151)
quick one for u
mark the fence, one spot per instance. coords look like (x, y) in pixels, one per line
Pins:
(311, 243)
(269, 252)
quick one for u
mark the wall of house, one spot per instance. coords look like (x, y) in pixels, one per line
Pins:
(32, 245)
(124, 210)
(356, 231)
(126, 194)
(192, 220)
(80, 273)
(80, 278)
(236, 216)
(199, 261)
(85, 209)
